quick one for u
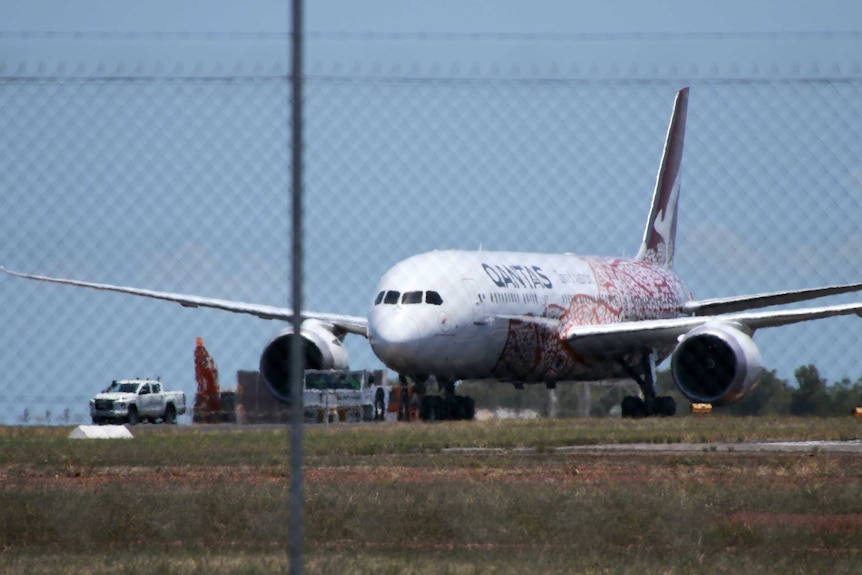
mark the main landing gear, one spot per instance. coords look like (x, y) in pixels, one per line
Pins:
(650, 404)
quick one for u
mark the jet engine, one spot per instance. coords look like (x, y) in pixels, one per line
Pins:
(716, 363)
(322, 348)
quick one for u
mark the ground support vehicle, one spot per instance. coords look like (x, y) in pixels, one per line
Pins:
(135, 400)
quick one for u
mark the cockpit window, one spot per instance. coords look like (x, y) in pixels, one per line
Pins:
(391, 297)
(433, 298)
(412, 297)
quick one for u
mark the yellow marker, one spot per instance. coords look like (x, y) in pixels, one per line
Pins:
(701, 408)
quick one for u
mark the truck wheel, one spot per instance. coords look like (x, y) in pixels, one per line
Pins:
(133, 415)
(170, 414)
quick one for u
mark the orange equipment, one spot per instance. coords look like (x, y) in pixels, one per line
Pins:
(207, 399)
(404, 400)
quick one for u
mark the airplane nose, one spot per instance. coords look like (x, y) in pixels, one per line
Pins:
(395, 339)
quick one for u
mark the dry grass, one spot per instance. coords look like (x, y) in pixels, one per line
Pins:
(393, 499)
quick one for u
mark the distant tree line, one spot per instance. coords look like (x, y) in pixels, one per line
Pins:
(809, 395)
(812, 395)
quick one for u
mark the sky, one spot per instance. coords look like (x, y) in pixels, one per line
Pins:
(535, 126)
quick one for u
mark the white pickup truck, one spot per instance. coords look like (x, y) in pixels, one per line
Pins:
(136, 400)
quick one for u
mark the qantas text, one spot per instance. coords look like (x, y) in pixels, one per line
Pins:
(517, 276)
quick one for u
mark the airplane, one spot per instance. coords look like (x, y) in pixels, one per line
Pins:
(534, 318)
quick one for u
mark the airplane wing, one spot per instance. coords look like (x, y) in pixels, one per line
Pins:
(350, 324)
(745, 302)
(650, 333)
(612, 337)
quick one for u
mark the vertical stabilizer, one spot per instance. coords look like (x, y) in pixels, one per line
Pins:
(660, 232)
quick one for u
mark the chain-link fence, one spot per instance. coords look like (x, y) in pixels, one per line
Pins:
(180, 183)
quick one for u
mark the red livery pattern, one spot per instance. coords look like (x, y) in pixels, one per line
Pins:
(534, 351)
(626, 291)
(633, 291)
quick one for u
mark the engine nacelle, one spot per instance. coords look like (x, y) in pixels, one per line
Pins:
(322, 348)
(716, 363)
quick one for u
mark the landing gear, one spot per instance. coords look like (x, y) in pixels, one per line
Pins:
(434, 407)
(447, 405)
(650, 404)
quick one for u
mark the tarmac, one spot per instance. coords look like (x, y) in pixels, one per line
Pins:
(810, 447)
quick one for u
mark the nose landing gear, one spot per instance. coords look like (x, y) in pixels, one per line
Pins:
(433, 407)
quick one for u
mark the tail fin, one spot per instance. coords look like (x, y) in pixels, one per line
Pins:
(660, 233)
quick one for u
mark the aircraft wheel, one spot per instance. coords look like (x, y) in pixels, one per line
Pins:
(666, 406)
(430, 410)
(633, 406)
(466, 408)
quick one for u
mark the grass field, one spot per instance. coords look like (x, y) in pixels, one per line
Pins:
(417, 499)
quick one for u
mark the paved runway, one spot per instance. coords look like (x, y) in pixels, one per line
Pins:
(854, 446)
(812, 447)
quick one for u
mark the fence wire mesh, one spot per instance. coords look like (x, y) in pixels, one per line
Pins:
(180, 183)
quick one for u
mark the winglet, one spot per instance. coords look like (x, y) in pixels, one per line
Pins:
(660, 232)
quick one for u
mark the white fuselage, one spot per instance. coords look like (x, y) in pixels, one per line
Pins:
(453, 314)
